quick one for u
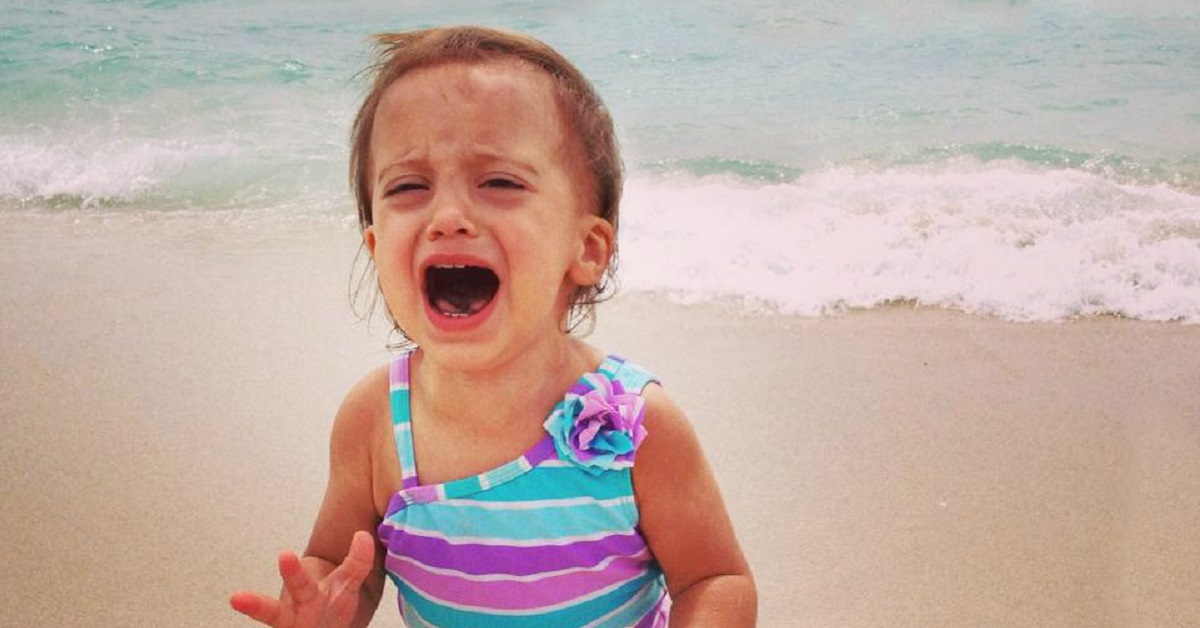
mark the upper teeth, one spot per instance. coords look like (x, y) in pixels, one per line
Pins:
(449, 266)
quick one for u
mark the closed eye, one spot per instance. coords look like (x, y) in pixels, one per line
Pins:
(503, 184)
(405, 187)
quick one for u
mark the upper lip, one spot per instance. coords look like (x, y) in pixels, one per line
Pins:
(454, 259)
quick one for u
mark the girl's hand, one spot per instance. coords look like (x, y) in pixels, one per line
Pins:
(310, 600)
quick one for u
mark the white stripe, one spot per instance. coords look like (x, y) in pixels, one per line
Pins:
(503, 577)
(539, 504)
(484, 483)
(401, 427)
(527, 611)
(480, 540)
(394, 386)
(557, 463)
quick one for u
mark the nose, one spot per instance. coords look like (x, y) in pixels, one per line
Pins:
(451, 217)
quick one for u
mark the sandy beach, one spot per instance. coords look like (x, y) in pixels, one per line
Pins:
(167, 386)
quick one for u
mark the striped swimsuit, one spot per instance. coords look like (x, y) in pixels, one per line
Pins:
(539, 541)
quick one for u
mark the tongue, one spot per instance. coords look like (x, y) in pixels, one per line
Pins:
(449, 308)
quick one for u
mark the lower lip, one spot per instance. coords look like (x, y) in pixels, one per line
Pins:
(459, 323)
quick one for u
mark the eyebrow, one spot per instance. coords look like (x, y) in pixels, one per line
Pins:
(479, 155)
(404, 159)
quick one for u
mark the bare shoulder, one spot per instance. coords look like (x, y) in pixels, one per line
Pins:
(671, 447)
(363, 406)
(363, 398)
(664, 415)
(360, 444)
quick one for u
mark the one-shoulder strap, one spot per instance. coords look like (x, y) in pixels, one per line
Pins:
(401, 418)
(633, 378)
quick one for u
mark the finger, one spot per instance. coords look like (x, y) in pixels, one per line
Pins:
(345, 581)
(359, 561)
(258, 607)
(298, 582)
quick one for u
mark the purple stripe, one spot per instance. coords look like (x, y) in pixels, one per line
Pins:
(513, 595)
(479, 559)
(412, 493)
(541, 452)
(395, 504)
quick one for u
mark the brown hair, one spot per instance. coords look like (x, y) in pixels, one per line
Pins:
(585, 114)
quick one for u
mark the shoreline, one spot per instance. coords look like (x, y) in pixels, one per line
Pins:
(168, 387)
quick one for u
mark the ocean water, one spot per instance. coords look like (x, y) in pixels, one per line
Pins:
(1029, 160)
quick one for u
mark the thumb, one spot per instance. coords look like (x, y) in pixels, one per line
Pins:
(359, 561)
(344, 582)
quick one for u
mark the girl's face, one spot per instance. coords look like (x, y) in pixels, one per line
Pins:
(482, 229)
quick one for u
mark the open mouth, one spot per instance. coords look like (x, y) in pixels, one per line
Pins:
(459, 291)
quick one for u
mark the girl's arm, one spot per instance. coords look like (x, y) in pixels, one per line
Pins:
(339, 580)
(686, 525)
(349, 503)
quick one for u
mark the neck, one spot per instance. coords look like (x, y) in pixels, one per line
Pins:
(527, 385)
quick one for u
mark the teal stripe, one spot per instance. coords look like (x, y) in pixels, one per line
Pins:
(403, 438)
(571, 616)
(632, 377)
(394, 578)
(609, 367)
(399, 406)
(412, 619)
(463, 487)
(561, 483)
(557, 522)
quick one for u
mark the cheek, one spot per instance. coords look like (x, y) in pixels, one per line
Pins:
(392, 258)
(392, 234)
(547, 250)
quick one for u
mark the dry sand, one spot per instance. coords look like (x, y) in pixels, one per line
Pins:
(166, 389)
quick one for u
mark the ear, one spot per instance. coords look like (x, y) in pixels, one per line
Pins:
(596, 242)
(369, 239)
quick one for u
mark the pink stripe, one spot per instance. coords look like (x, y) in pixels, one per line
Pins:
(514, 595)
(398, 373)
(421, 494)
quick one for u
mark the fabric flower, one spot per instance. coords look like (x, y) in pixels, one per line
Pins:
(597, 426)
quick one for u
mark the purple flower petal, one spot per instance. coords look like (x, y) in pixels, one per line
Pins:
(598, 424)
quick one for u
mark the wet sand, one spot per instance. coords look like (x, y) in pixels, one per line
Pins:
(167, 386)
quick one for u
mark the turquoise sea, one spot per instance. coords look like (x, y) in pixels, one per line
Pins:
(1030, 160)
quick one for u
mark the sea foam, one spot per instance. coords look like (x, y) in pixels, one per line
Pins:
(1000, 239)
(165, 174)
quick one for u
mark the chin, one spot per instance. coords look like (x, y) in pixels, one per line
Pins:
(465, 357)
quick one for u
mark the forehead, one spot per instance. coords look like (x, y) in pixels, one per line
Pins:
(490, 99)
